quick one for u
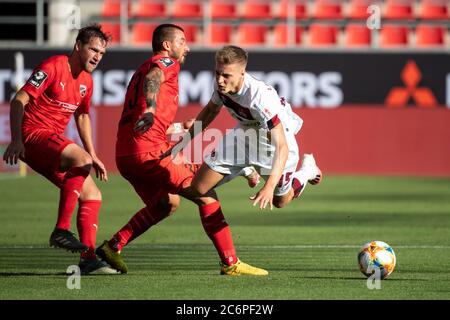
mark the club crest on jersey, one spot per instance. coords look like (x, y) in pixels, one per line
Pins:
(83, 90)
(167, 62)
(37, 78)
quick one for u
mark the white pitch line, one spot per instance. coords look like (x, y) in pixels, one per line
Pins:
(293, 246)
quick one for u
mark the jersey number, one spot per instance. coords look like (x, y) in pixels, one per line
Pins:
(285, 178)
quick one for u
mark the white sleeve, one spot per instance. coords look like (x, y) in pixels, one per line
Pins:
(266, 108)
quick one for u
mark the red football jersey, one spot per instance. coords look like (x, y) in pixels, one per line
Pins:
(130, 142)
(55, 95)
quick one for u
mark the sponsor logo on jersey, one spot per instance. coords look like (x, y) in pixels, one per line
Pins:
(66, 106)
(83, 90)
(37, 78)
(167, 62)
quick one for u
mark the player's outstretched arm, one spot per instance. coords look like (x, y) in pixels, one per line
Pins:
(265, 196)
(205, 117)
(84, 127)
(152, 84)
(16, 149)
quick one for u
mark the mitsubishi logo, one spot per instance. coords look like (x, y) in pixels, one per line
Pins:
(399, 96)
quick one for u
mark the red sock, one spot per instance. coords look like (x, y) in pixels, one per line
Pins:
(70, 191)
(87, 224)
(218, 231)
(138, 224)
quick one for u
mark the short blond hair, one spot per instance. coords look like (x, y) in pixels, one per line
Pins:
(232, 54)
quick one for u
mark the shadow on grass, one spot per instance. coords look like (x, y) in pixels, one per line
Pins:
(358, 278)
(31, 274)
(34, 274)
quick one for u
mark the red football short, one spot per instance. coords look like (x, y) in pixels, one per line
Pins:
(152, 178)
(43, 150)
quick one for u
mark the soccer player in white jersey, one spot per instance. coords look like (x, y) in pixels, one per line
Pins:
(263, 138)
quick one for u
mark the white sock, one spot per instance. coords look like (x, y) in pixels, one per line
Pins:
(303, 176)
(246, 171)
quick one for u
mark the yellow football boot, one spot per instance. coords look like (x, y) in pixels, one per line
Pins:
(241, 268)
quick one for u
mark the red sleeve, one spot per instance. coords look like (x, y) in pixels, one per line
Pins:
(167, 66)
(40, 79)
(86, 102)
(164, 63)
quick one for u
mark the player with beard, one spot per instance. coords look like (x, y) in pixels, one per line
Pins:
(150, 107)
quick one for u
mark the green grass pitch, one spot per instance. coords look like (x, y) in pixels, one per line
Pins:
(309, 247)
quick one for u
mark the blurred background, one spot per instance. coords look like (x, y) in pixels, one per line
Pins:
(371, 79)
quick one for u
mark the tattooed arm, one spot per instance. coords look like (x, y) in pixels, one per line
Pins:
(152, 83)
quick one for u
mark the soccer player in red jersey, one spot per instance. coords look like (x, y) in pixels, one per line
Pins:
(149, 109)
(58, 88)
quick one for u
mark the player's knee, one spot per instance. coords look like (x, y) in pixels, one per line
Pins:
(199, 191)
(78, 157)
(90, 192)
(85, 161)
(173, 205)
(169, 207)
(280, 203)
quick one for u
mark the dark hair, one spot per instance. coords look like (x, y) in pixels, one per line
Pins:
(163, 32)
(93, 30)
(232, 54)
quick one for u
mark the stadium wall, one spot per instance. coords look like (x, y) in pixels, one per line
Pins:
(365, 113)
(348, 140)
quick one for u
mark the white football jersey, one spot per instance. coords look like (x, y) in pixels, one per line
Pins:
(258, 105)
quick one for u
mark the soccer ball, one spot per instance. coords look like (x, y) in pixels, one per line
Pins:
(374, 256)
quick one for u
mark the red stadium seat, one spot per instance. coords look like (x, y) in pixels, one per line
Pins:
(434, 9)
(357, 35)
(252, 34)
(280, 35)
(112, 29)
(328, 9)
(300, 9)
(111, 8)
(187, 9)
(220, 34)
(223, 9)
(190, 31)
(358, 9)
(430, 35)
(398, 9)
(151, 8)
(392, 35)
(257, 9)
(142, 33)
(323, 34)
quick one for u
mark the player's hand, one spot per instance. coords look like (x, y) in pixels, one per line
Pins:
(144, 123)
(100, 169)
(188, 123)
(264, 197)
(14, 151)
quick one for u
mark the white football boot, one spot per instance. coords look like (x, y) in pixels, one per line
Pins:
(309, 172)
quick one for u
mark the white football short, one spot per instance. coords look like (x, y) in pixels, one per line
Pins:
(246, 146)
